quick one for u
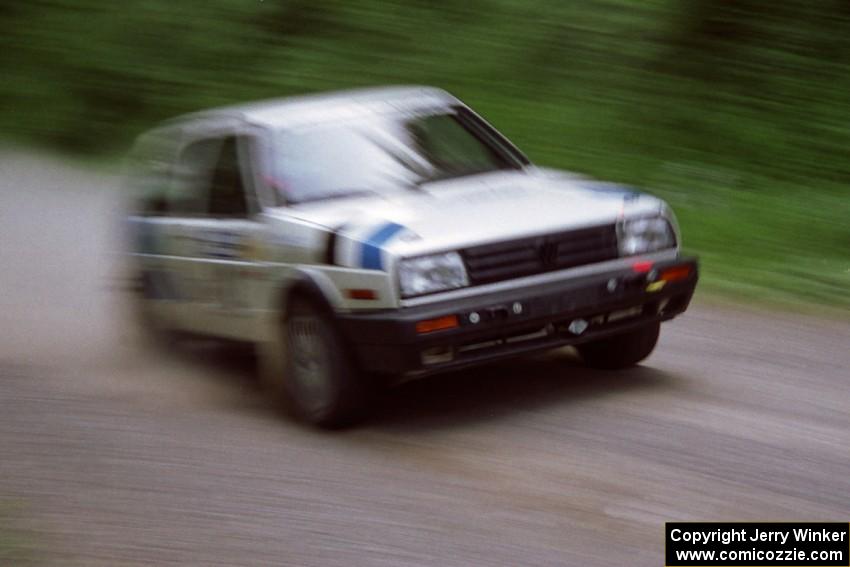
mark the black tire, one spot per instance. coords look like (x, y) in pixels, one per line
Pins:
(321, 384)
(620, 351)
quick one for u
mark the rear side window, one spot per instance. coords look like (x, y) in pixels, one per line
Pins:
(191, 178)
(149, 170)
(205, 179)
(227, 188)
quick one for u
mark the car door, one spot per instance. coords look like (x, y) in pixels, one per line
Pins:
(173, 193)
(230, 245)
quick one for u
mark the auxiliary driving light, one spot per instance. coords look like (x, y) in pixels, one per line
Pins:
(676, 273)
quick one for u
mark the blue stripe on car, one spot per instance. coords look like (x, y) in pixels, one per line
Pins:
(612, 189)
(371, 253)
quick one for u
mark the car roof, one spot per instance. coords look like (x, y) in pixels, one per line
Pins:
(315, 108)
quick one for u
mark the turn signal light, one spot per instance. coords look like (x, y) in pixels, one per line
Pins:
(361, 294)
(438, 324)
(675, 274)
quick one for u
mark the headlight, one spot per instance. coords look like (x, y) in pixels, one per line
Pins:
(645, 234)
(428, 274)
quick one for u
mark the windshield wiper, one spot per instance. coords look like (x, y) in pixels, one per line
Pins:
(446, 175)
(341, 194)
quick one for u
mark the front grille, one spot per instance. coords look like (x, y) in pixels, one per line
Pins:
(535, 255)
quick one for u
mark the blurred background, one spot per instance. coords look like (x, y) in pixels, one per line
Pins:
(736, 111)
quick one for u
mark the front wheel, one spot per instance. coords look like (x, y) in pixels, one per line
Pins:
(620, 351)
(321, 384)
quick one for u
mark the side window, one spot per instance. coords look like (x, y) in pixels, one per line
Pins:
(227, 189)
(191, 177)
(149, 184)
(149, 173)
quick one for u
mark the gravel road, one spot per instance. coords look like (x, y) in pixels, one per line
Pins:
(114, 455)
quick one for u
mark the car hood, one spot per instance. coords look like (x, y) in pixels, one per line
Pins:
(473, 210)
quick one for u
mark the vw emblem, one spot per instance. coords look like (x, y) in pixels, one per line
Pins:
(549, 254)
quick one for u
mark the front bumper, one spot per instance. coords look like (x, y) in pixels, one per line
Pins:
(519, 321)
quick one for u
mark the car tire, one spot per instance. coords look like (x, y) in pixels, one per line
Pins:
(322, 384)
(620, 351)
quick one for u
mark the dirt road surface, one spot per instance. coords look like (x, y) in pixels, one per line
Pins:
(114, 455)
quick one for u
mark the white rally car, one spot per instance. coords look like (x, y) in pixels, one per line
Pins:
(390, 233)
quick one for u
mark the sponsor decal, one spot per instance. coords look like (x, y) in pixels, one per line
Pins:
(251, 250)
(221, 244)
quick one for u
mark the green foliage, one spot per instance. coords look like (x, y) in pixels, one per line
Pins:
(736, 111)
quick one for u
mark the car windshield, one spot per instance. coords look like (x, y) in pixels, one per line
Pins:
(382, 154)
